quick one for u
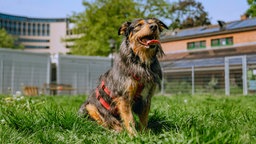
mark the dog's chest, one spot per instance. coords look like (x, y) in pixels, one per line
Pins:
(146, 92)
(141, 89)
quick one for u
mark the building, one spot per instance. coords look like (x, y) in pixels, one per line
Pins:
(232, 38)
(210, 57)
(38, 34)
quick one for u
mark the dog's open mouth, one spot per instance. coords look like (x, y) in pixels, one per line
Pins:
(149, 41)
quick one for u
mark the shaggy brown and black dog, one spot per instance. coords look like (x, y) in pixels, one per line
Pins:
(130, 84)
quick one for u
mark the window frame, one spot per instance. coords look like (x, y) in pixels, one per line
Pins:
(219, 43)
(193, 45)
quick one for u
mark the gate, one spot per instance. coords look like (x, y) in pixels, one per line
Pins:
(236, 75)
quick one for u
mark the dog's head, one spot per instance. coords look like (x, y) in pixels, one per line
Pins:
(142, 36)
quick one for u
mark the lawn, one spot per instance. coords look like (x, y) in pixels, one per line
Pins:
(175, 119)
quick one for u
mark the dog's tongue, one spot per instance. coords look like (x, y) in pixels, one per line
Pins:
(153, 42)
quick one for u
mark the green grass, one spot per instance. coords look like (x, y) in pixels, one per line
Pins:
(176, 119)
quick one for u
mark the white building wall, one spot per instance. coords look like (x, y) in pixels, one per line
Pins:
(56, 43)
(57, 35)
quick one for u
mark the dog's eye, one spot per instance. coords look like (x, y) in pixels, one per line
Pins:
(138, 25)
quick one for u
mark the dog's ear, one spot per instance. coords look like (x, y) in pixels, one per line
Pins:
(161, 25)
(122, 30)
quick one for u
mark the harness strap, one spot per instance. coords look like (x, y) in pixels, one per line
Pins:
(108, 92)
(102, 101)
(137, 78)
(139, 88)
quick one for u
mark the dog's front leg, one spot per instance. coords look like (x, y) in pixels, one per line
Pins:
(143, 116)
(125, 110)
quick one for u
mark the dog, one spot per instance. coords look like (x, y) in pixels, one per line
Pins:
(129, 85)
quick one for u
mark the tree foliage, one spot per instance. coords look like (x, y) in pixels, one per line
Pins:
(99, 23)
(187, 14)
(102, 18)
(251, 12)
(7, 41)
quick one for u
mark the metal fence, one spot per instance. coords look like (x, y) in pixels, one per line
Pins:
(19, 69)
(82, 72)
(222, 75)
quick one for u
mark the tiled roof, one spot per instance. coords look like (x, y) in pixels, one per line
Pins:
(197, 31)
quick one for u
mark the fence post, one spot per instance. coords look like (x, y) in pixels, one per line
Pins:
(193, 79)
(75, 82)
(1, 75)
(162, 83)
(49, 70)
(32, 76)
(88, 78)
(12, 78)
(244, 65)
(227, 84)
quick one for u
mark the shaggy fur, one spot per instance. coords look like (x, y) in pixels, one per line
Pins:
(128, 86)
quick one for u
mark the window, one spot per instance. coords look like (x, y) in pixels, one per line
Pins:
(38, 29)
(10, 27)
(34, 40)
(215, 42)
(190, 45)
(5, 24)
(36, 47)
(222, 42)
(48, 29)
(14, 26)
(24, 28)
(196, 45)
(19, 28)
(69, 46)
(29, 29)
(229, 41)
(203, 44)
(43, 30)
(34, 29)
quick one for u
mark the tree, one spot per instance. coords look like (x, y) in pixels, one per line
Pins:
(7, 41)
(187, 14)
(251, 12)
(155, 8)
(102, 18)
(181, 14)
(100, 23)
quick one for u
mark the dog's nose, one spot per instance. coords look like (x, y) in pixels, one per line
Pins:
(153, 27)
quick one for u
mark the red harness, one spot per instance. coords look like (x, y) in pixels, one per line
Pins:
(106, 105)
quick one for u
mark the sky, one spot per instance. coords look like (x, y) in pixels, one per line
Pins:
(226, 10)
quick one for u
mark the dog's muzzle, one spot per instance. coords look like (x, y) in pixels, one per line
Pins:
(149, 42)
